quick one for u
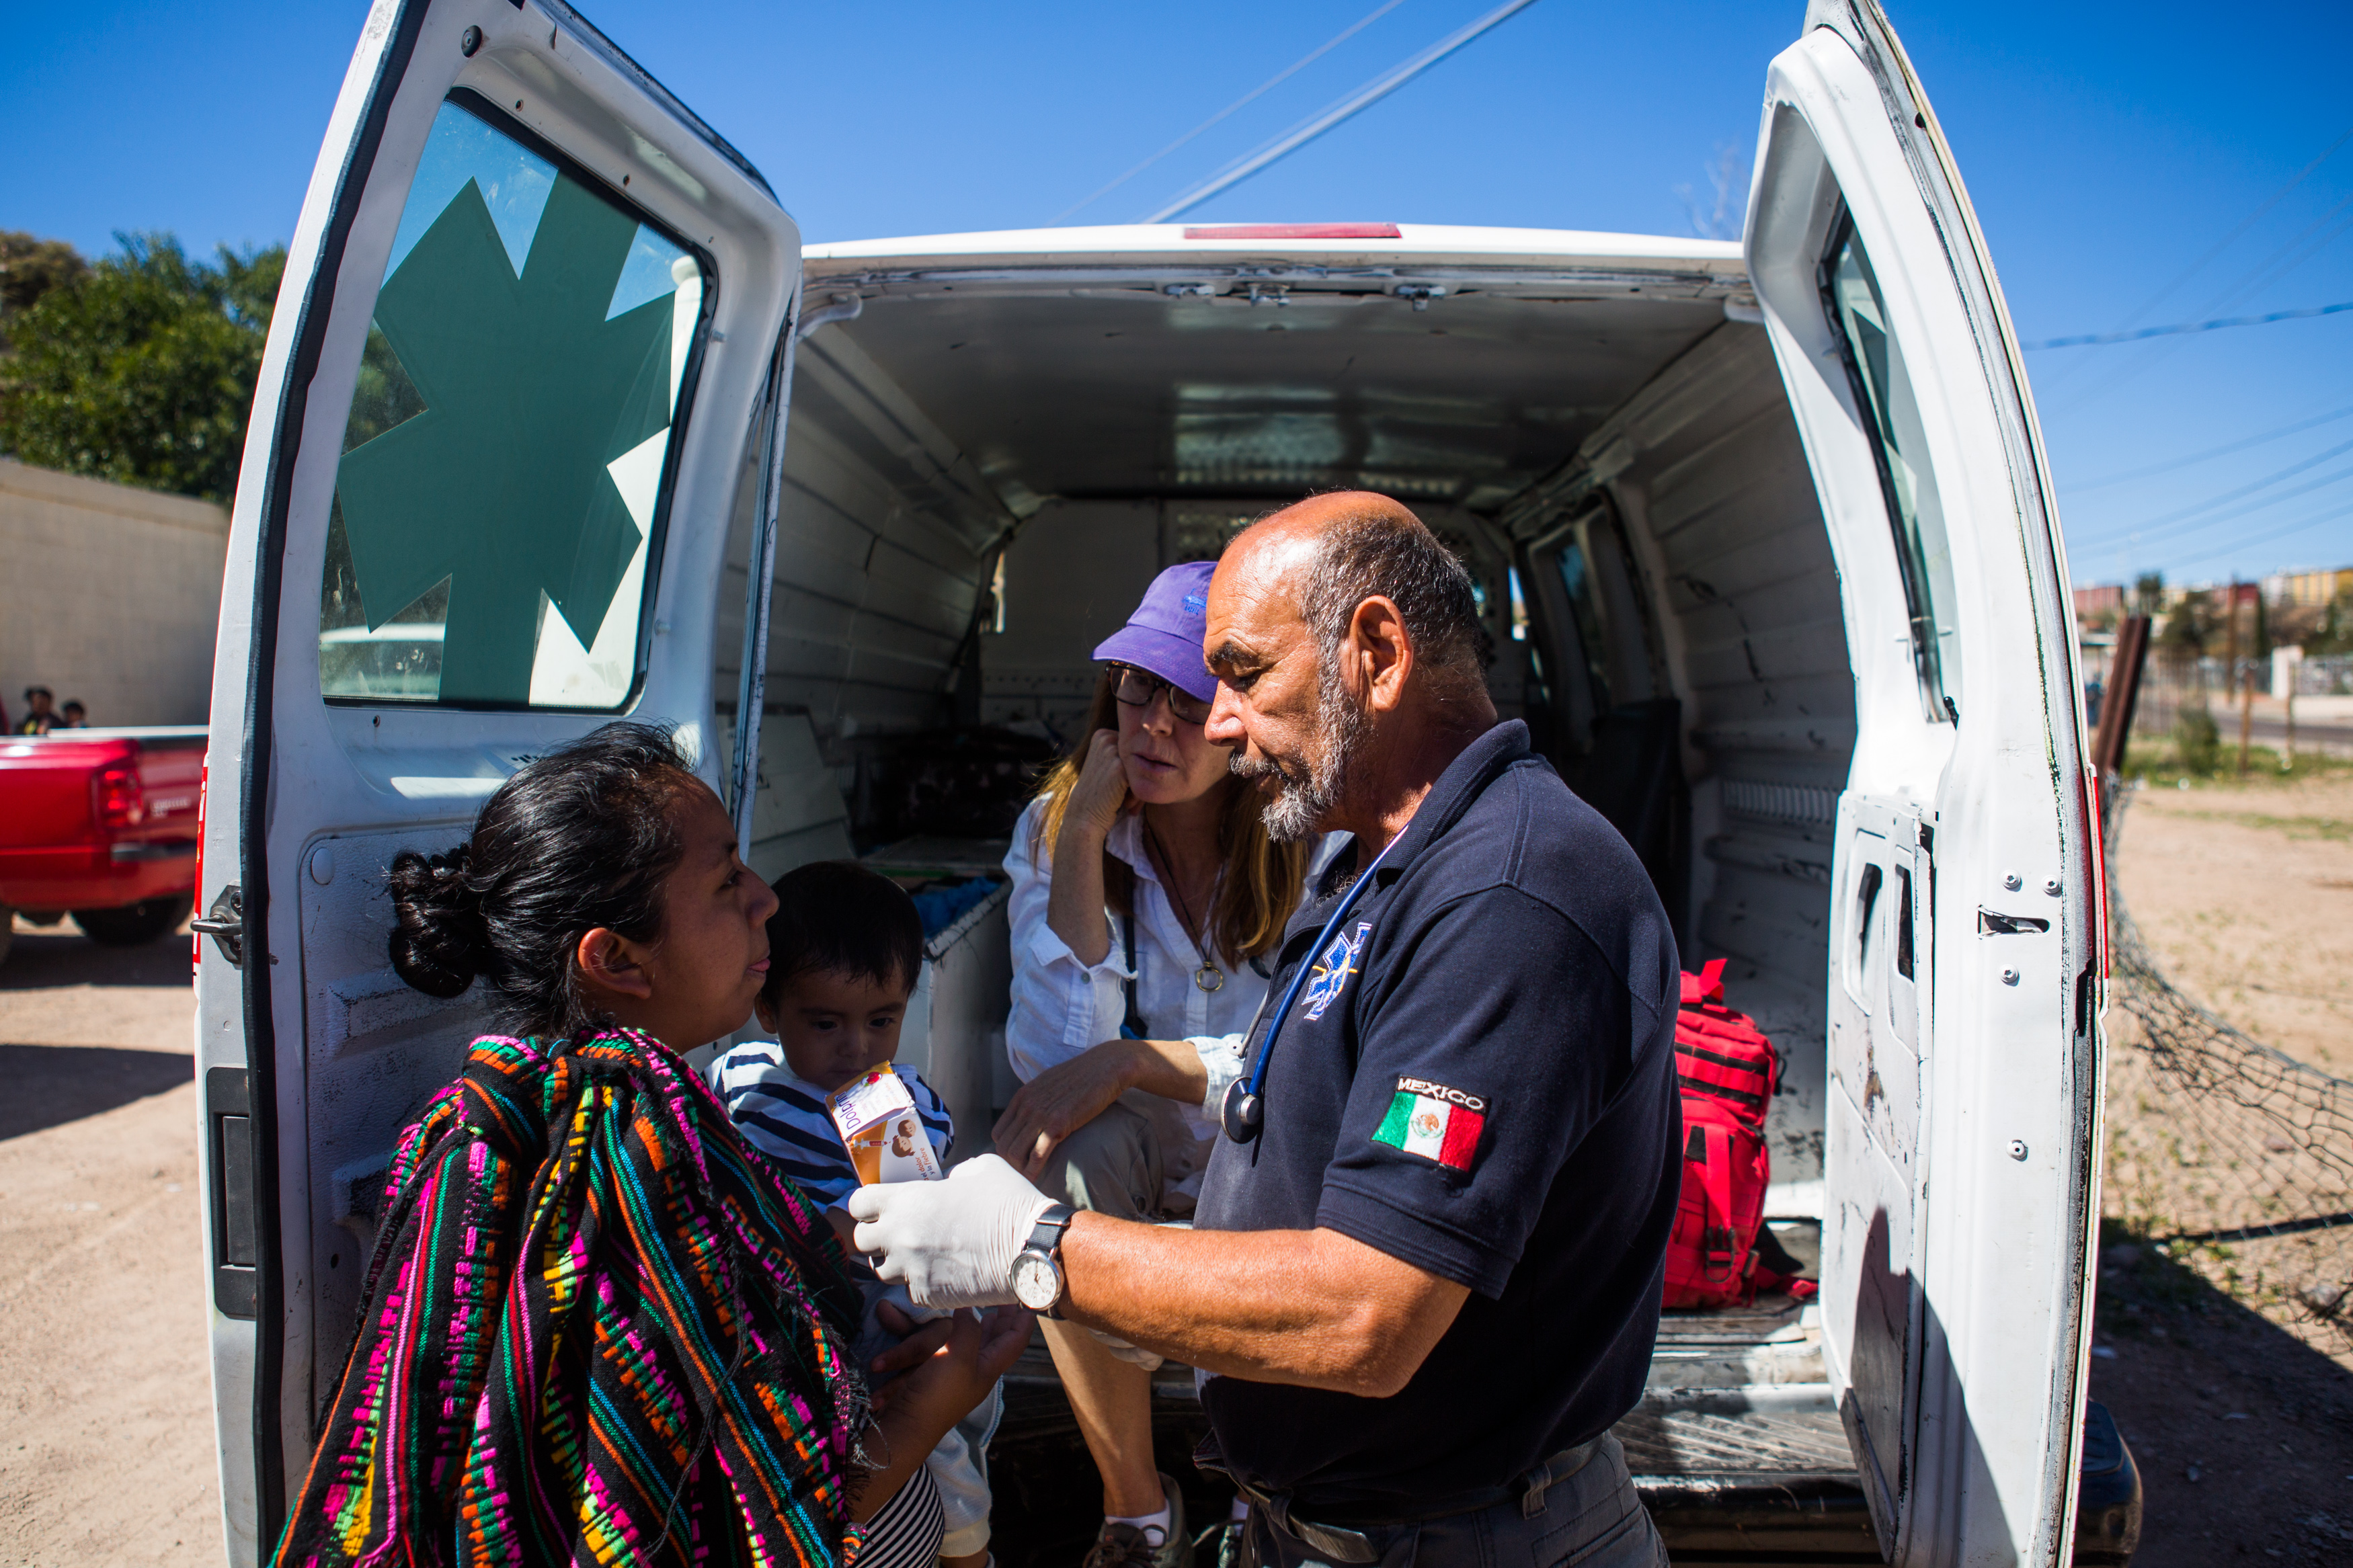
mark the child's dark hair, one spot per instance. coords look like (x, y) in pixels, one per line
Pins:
(580, 839)
(838, 916)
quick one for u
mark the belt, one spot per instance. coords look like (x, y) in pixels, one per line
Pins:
(1335, 1540)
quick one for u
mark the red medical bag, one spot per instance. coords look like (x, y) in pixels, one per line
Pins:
(1729, 1072)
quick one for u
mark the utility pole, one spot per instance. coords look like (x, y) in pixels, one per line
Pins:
(2247, 676)
(2230, 646)
(2287, 752)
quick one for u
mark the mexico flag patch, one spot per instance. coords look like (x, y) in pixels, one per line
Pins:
(1434, 1121)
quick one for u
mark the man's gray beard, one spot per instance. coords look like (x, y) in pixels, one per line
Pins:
(1302, 804)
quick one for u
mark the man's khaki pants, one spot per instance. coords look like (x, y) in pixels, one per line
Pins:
(1114, 1166)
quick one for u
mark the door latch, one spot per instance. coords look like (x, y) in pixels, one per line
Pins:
(224, 923)
(236, 1193)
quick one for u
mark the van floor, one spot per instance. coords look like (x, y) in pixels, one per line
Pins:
(1735, 1446)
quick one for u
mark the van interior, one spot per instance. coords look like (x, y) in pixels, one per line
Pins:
(987, 465)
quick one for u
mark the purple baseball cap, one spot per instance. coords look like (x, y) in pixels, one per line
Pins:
(1166, 633)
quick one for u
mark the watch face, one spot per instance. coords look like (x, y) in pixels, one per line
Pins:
(1036, 1283)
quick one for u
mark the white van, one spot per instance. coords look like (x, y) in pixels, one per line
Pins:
(1769, 560)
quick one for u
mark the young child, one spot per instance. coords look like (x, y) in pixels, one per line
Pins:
(844, 949)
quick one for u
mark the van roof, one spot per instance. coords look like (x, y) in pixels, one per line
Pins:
(1369, 246)
(1441, 364)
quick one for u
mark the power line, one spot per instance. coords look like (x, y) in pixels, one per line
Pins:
(2091, 339)
(2278, 534)
(2287, 259)
(2188, 520)
(1279, 77)
(2208, 456)
(1347, 108)
(2179, 278)
(2284, 259)
(2244, 224)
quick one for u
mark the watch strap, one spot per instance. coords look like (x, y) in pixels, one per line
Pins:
(1046, 1240)
(1046, 1231)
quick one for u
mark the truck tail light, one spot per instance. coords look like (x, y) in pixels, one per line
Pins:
(122, 801)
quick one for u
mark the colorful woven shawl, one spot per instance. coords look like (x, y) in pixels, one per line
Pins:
(598, 1330)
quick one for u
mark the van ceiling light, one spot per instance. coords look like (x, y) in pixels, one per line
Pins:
(1296, 231)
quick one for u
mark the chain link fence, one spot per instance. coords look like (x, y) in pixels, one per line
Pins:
(2232, 1158)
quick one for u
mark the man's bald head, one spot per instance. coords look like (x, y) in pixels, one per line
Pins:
(1329, 553)
(1344, 637)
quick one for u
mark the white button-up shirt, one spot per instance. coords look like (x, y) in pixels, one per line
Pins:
(1063, 1007)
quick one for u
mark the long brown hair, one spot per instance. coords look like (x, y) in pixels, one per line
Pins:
(1259, 887)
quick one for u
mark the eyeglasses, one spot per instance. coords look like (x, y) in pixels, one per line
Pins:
(1138, 686)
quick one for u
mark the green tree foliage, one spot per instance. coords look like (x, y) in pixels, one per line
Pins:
(2149, 594)
(140, 369)
(2190, 625)
(30, 268)
(2335, 633)
(2197, 741)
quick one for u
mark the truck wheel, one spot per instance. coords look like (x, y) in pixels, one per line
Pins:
(134, 925)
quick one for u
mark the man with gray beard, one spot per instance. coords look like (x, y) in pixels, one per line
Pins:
(1424, 1273)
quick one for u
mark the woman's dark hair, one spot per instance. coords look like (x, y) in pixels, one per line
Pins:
(839, 916)
(580, 839)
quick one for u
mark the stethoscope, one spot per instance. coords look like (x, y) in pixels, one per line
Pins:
(1243, 1112)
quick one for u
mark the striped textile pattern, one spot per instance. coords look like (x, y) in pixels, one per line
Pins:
(784, 1117)
(598, 1330)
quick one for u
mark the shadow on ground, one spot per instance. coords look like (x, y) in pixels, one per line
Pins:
(48, 1084)
(2244, 1434)
(1047, 1499)
(43, 956)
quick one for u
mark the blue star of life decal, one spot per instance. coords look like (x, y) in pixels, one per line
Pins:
(1333, 967)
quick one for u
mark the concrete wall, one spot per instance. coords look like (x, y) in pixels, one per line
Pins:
(109, 595)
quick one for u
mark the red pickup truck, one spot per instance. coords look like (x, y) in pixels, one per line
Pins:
(100, 825)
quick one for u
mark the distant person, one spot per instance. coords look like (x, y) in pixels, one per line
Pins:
(73, 715)
(40, 718)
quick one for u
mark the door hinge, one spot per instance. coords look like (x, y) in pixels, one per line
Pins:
(224, 923)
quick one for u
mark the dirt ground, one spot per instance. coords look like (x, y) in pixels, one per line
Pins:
(2243, 1432)
(106, 1441)
(2242, 1427)
(2245, 891)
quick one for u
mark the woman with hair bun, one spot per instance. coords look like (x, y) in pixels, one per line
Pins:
(596, 1326)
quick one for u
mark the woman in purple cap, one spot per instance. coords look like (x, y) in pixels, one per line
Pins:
(1146, 899)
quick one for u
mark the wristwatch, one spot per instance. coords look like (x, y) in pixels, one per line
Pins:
(1037, 1282)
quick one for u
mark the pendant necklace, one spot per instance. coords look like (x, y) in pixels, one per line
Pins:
(1208, 977)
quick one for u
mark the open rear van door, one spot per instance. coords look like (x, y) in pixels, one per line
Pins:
(531, 328)
(1962, 1145)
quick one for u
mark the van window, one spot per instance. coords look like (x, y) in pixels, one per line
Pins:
(504, 465)
(1874, 363)
(1584, 615)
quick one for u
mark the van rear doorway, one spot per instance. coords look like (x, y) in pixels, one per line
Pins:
(1602, 438)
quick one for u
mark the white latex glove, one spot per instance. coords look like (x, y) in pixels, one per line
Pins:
(951, 1243)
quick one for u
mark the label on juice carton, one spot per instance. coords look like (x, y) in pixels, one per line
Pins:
(875, 1114)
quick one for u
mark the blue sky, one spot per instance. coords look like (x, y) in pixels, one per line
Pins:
(2109, 149)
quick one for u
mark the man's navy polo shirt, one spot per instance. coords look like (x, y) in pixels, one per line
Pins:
(1480, 1082)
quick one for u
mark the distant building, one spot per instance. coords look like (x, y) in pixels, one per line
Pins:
(2101, 599)
(111, 594)
(2315, 586)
